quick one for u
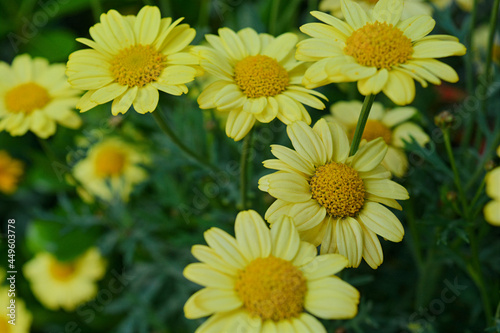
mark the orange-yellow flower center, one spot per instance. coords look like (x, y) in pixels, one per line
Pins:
(4, 325)
(26, 97)
(375, 129)
(260, 75)
(61, 271)
(109, 162)
(10, 172)
(379, 45)
(338, 188)
(137, 65)
(272, 288)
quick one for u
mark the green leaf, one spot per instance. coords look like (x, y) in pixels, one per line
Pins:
(66, 245)
(54, 45)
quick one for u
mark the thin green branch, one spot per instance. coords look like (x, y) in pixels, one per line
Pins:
(456, 175)
(273, 17)
(360, 127)
(247, 144)
(186, 150)
(97, 9)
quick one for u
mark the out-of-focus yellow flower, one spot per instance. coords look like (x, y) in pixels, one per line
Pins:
(35, 96)
(258, 79)
(411, 7)
(492, 208)
(336, 201)
(22, 317)
(111, 169)
(391, 125)
(377, 50)
(265, 280)
(11, 171)
(65, 285)
(130, 59)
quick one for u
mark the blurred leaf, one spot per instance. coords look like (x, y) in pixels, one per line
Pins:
(65, 245)
(54, 45)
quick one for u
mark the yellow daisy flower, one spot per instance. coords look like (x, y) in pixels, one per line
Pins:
(23, 317)
(392, 125)
(258, 79)
(35, 96)
(492, 208)
(11, 171)
(411, 7)
(111, 169)
(335, 200)
(130, 59)
(265, 280)
(65, 285)
(378, 50)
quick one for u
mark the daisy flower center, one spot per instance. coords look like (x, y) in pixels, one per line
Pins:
(60, 271)
(379, 45)
(375, 129)
(272, 288)
(4, 326)
(109, 162)
(137, 65)
(260, 75)
(338, 188)
(26, 98)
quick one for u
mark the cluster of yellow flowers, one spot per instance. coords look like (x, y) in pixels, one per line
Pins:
(263, 279)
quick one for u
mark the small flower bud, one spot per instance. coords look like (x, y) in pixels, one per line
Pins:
(451, 196)
(489, 165)
(444, 120)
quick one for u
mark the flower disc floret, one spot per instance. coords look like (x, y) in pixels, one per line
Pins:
(338, 188)
(26, 97)
(260, 75)
(272, 288)
(137, 65)
(379, 45)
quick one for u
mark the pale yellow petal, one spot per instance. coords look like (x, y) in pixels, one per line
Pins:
(205, 275)
(210, 300)
(372, 251)
(225, 246)
(292, 158)
(147, 24)
(388, 11)
(350, 240)
(400, 88)
(252, 235)
(289, 187)
(385, 188)
(381, 221)
(324, 265)
(331, 298)
(146, 99)
(354, 14)
(238, 124)
(285, 239)
(307, 143)
(208, 255)
(369, 155)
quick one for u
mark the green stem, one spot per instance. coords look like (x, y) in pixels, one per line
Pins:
(417, 247)
(486, 156)
(204, 13)
(456, 176)
(273, 17)
(166, 8)
(489, 53)
(247, 143)
(469, 68)
(360, 127)
(475, 272)
(170, 133)
(478, 194)
(470, 47)
(96, 9)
